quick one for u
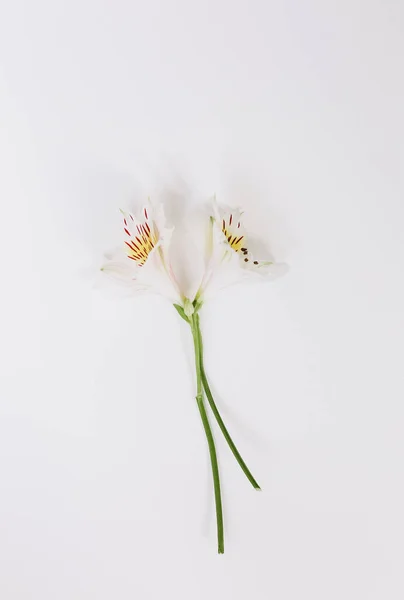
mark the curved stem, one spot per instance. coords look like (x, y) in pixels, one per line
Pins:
(217, 415)
(209, 436)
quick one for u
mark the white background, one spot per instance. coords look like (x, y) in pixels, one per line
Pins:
(295, 110)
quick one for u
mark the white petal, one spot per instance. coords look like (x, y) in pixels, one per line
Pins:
(121, 271)
(228, 260)
(155, 273)
(157, 276)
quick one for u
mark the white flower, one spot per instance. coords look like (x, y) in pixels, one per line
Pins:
(229, 259)
(142, 263)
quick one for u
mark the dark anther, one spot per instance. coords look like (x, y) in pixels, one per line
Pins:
(246, 260)
(256, 262)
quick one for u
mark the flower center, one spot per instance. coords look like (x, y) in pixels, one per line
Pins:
(235, 241)
(142, 240)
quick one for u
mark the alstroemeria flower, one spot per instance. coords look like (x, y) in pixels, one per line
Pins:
(229, 259)
(142, 262)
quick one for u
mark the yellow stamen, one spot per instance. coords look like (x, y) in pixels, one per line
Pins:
(141, 243)
(235, 241)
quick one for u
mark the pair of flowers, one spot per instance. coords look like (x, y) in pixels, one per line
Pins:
(144, 263)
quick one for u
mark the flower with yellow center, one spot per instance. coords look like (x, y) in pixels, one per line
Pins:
(142, 263)
(228, 258)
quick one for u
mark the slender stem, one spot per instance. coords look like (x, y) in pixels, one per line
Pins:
(217, 415)
(209, 436)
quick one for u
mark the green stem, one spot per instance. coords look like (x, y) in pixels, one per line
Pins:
(217, 415)
(209, 435)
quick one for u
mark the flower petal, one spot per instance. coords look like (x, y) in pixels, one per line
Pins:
(228, 258)
(143, 263)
